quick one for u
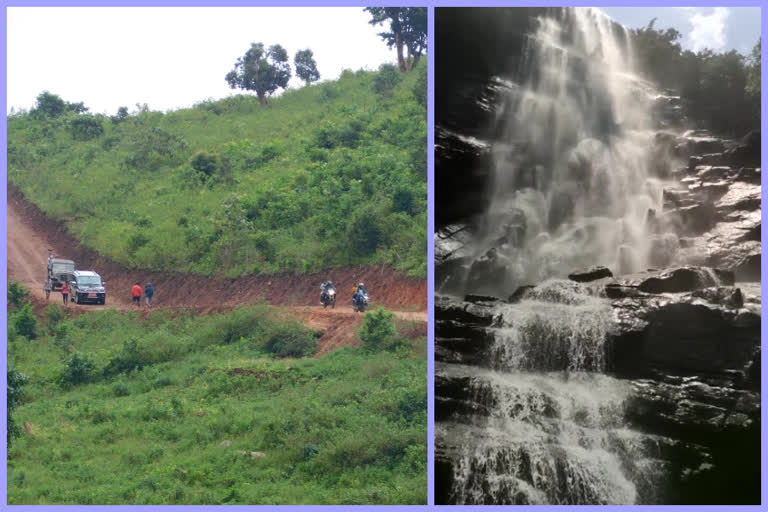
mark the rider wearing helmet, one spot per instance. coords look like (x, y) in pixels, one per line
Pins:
(359, 291)
(325, 288)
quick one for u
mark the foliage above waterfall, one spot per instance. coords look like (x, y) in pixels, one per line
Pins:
(326, 175)
(721, 91)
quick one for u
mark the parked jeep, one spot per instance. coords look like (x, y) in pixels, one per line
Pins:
(60, 271)
(87, 286)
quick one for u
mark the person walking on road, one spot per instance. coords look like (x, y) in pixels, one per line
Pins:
(47, 288)
(149, 291)
(136, 294)
(65, 292)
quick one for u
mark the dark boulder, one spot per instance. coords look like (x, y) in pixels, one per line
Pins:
(685, 279)
(591, 274)
(746, 153)
(722, 295)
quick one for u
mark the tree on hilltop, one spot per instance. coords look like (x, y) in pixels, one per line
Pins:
(407, 32)
(260, 70)
(306, 67)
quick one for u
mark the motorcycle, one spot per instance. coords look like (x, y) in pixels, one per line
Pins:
(328, 299)
(360, 302)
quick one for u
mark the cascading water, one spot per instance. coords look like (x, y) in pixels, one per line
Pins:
(571, 187)
(571, 178)
(546, 426)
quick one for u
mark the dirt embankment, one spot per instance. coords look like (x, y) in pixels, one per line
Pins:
(31, 233)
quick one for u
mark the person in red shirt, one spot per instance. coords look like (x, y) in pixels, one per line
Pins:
(65, 292)
(136, 293)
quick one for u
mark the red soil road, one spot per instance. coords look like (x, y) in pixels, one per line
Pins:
(31, 234)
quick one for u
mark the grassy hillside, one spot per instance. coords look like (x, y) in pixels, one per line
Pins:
(325, 175)
(176, 408)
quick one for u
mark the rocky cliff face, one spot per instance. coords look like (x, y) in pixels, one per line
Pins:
(597, 385)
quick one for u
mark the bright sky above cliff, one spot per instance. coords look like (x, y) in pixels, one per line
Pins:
(170, 57)
(718, 28)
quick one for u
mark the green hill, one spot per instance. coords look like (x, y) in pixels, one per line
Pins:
(175, 408)
(325, 175)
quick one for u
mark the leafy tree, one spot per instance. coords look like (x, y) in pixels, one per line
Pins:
(86, 128)
(386, 80)
(122, 115)
(16, 382)
(25, 322)
(77, 108)
(306, 67)
(261, 71)
(753, 72)
(49, 105)
(377, 328)
(407, 32)
(715, 87)
(17, 294)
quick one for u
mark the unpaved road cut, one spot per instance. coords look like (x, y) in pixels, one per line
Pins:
(31, 234)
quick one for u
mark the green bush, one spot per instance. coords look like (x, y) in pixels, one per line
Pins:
(205, 163)
(128, 359)
(54, 314)
(17, 294)
(386, 79)
(25, 322)
(120, 389)
(378, 328)
(364, 232)
(16, 382)
(292, 342)
(78, 369)
(86, 128)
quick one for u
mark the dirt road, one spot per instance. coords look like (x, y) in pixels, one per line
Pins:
(31, 234)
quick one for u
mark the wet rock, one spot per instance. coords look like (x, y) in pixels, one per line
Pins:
(685, 279)
(520, 293)
(746, 153)
(748, 269)
(591, 274)
(722, 296)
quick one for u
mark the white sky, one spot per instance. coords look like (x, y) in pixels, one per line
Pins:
(170, 57)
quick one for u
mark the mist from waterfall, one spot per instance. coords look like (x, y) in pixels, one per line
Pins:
(571, 182)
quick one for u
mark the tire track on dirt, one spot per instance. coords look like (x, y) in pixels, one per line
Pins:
(31, 233)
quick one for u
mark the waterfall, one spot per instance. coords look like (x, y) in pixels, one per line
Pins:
(547, 427)
(571, 175)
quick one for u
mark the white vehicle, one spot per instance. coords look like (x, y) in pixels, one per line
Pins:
(87, 286)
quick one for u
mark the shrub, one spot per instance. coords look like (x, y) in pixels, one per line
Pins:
(17, 294)
(78, 369)
(16, 382)
(25, 322)
(54, 314)
(120, 389)
(206, 163)
(294, 341)
(386, 79)
(129, 358)
(135, 242)
(403, 201)
(86, 128)
(378, 328)
(364, 232)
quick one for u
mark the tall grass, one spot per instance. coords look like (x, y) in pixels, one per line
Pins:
(181, 409)
(326, 175)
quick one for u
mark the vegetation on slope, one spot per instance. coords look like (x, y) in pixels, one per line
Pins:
(178, 408)
(720, 90)
(326, 175)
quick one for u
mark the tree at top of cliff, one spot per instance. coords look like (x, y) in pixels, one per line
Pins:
(306, 67)
(260, 70)
(407, 32)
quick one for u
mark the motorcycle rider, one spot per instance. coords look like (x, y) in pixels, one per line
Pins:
(325, 288)
(360, 291)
